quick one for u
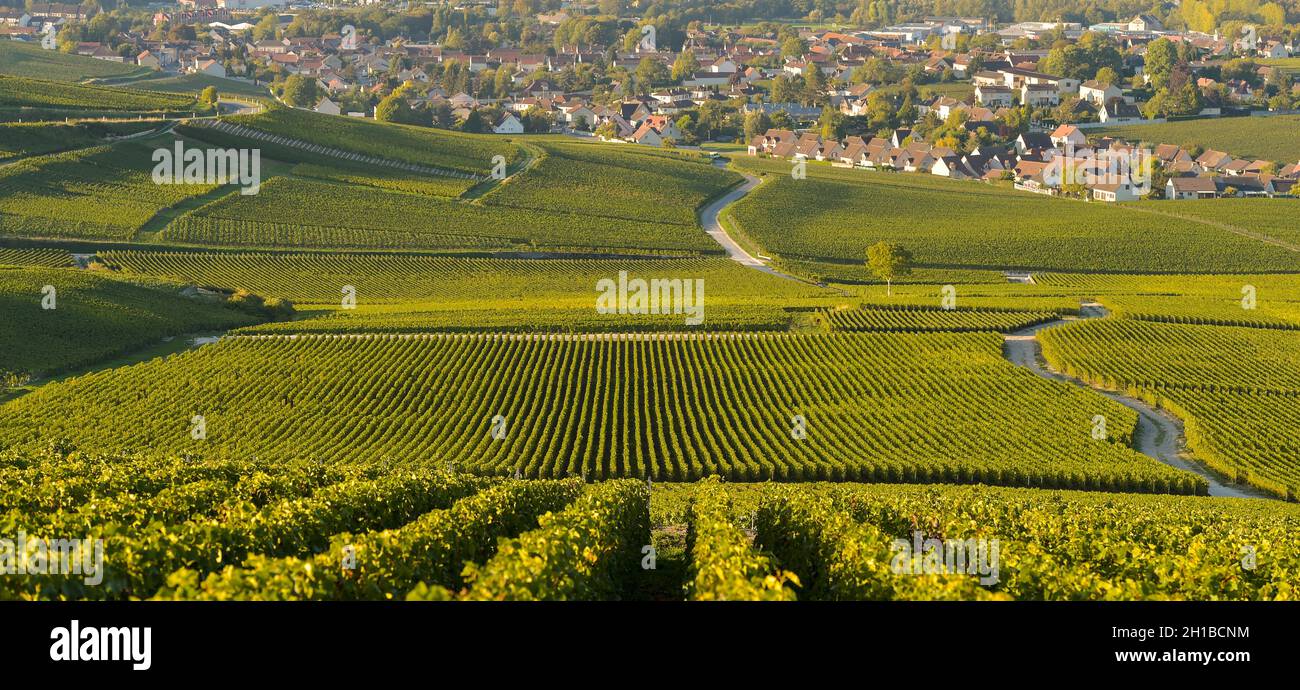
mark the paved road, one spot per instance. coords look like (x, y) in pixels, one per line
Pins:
(713, 226)
(1159, 434)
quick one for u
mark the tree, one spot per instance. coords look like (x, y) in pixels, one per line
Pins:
(685, 65)
(874, 71)
(1108, 76)
(300, 91)
(266, 27)
(786, 88)
(1159, 62)
(536, 120)
(831, 123)
(650, 72)
(474, 122)
(393, 108)
(607, 130)
(814, 84)
(209, 95)
(792, 48)
(889, 260)
(443, 116)
(756, 122)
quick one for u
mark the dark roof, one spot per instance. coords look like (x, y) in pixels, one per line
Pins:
(1036, 140)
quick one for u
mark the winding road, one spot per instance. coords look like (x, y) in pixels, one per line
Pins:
(709, 218)
(1159, 435)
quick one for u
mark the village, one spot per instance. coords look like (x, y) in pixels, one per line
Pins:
(955, 97)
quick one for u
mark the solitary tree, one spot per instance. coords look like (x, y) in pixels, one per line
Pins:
(300, 91)
(889, 260)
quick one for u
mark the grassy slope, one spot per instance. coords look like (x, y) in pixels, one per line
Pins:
(1270, 138)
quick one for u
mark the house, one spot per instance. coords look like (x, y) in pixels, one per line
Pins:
(1039, 96)
(1191, 188)
(14, 17)
(1068, 134)
(951, 166)
(1117, 111)
(1171, 153)
(1275, 50)
(579, 116)
(211, 68)
(1214, 160)
(105, 53)
(993, 96)
(1032, 141)
(1245, 186)
(1145, 23)
(148, 59)
(1097, 93)
(657, 129)
(708, 79)
(1236, 168)
(508, 124)
(634, 111)
(58, 10)
(1114, 193)
(769, 140)
(328, 107)
(665, 126)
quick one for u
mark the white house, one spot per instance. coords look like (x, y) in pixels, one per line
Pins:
(328, 107)
(1119, 191)
(1039, 96)
(508, 124)
(1191, 188)
(212, 68)
(579, 116)
(147, 59)
(993, 96)
(1098, 93)
(1117, 112)
(1068, 134)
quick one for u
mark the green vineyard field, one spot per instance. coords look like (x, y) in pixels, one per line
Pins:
(300, 212)
(21, 59)
(1269, 138)
(302, 530)
(878, 407)
(1235, 388)
(909, 320)
(48, 258)
(19, 92)
(620, 183)
(92, 318)
(420, 145)
(105, 192)
(837, 213)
